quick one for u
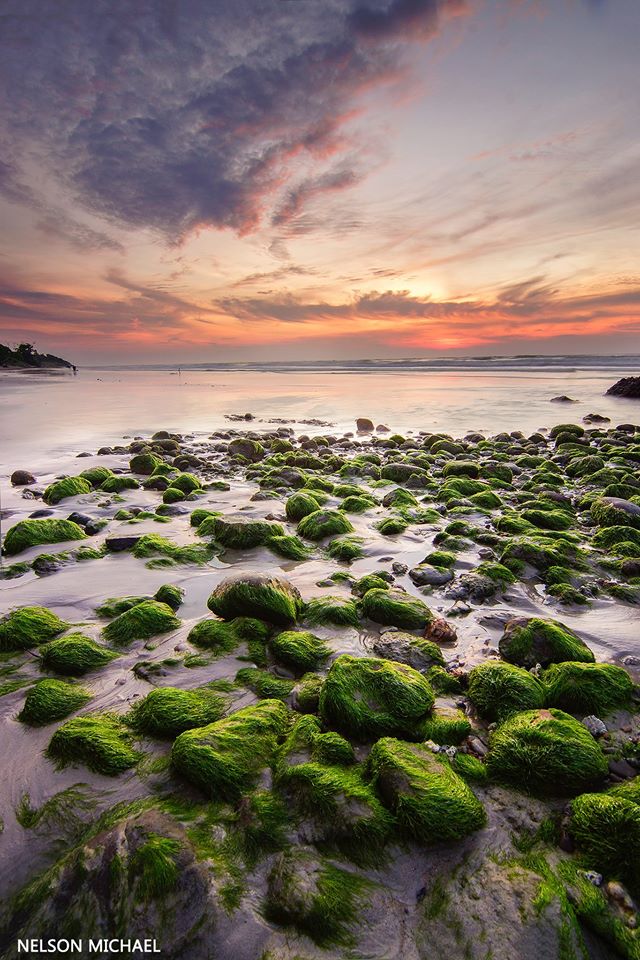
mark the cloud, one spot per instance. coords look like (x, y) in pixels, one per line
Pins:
(179, 115)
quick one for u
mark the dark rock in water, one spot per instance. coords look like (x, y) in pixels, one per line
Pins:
(80, 518)
(364, 425)
(627, 387)
(118, 544)
(439, 631)
(426, 575)
(563, 399)
(382, 428)
(104, 451)
(85, 453)
(93, 527)
(20, 478)
(630, 568)
(627, 427)
(37, 514)
(405, 648)
(473, 586)
(596, 418)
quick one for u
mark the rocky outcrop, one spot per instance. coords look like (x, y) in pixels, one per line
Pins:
(24, 357)
(627, 387)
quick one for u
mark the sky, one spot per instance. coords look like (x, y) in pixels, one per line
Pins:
(210, 180)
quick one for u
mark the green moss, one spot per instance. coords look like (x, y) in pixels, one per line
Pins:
(170, 594)
(322, 484)
(371, 581)
(300, 505)
(299, 650)
(67, 487)
(430, 802)
(28, 627)
(267, 598)
(34, 533)
(290, 547)
(225, 758)
(399, 499)
(173, 495)
(74, 655)
(358, 504)
(391, 526)
(114, 606)
(101, 741)
(324, 523)
(606, 829)
(146, 619)
(321, 902)
(499, 689)
(461, 468)
(151, 545)
(608, 537)
(367, 698)
(340, 611)
(265, 685)
(527, 642)
(346, 549)
(116, 483)
(240, 533)
(486, 500)
(186, 482)
(200, 514)
(607, 514)
(144, 463)
(469, 768)
(446, 726)
(51, 700)
(442, 681)
(153, 867)
(396, 608)
(97, 475)
(307, 693)
(223, 636)
(168, 711)
(546, 752)
(587, 687)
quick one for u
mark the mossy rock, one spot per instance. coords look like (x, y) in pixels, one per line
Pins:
(51, 700)
(606, 830)
(172, 495)
(299, 650)
(289, 547)
(145, 464)
(300, 505)
(170, 594)
(430, 802)
(224, 759)
(586, 688)
(34, 533)
(97, 475)
(265, 684)
(74, 655)
(546, 752)
(499, 689)
(316, 898)
(416, 652)
(67, 487)
(201, 513)
(114, 606)
(100, 741)
(186, 482)
(117, 483)
(322, 524)
(240, 533)
(529, 641)
(306, 693)
(615, 511)
(366, 698)
(223, 636)
(358, 504)
(144, 620)
(266, 598)
(251, 450)
(162, 551)
(28, 627)
(339, 611)
(396, 608)
(391, 526)
(461, 468)
(370, 581)
(346, 549)
(447, 726)
(168, 711)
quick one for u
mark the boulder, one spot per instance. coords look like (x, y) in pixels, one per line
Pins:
(627, 387)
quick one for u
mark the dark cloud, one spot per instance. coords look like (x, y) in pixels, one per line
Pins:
(173, 114)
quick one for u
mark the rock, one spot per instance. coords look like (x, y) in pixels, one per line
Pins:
(426, 575)
(596, 418)
(592, 877)
(562, 399)
(595, 726)
(474, 587)
(627, 387)
(622, 769)
(440, 631)
(20, 478)
(405, 648)
(381, 428)
(118, 544)
(40, 513)
(399, 568)
(364, 425)
(82, 519)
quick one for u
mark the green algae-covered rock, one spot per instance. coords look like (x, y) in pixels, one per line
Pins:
(546, 752)
(587, 687)
(324, 523)
(289, 547)
(223, 636)
(169, 711)
(614, 511)
(145, 463)
(67, 487)
(396, 608)
(368, 698)
(527, 642)
(446, 725)
(339, 611)
(28, 627)
(100, 741)
(430, 802)
(240, 533)
(74, 655)
(170, 594)
(306, 693)
(606, 830)
(265, 684)
(114, 606)
(51, 700)
(267, 598)
(300, 505)
(299, 650)
(225, 758)
(499, 689)
(97, 475)
(116, 483)
(346, 549)
(142, 621)
(34, 533)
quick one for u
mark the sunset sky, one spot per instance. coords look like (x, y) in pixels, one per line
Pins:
(200, 180)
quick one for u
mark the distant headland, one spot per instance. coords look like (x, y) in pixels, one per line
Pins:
(26, 357)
